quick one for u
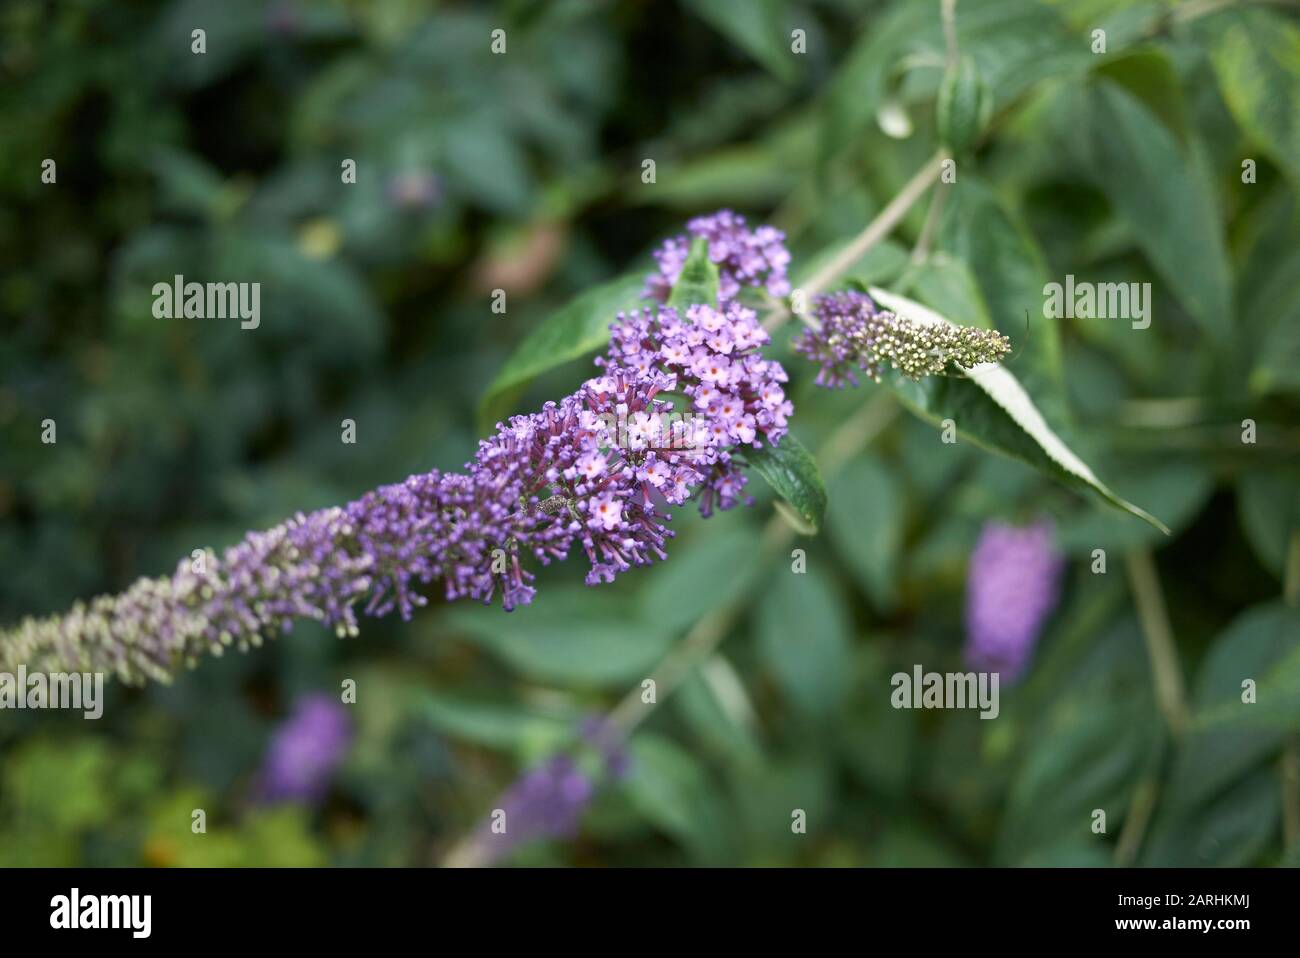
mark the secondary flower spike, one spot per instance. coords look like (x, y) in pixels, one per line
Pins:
(744, 257)
(305, 751)
(1011, 588)
(855, 334)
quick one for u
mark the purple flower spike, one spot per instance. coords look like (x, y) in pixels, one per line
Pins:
(547, 802)
(745, 257)
(1011, 588)
(305, 751)
(596, 470)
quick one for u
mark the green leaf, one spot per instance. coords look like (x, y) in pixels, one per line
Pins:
(713, 703)
(575, 330)
(1163, 197)
(503, 725)
(947, 285)
(856, 92)
(698, 282)
(750, 175)
(1088, 754)
(991, 408)
(1182, 489)
(1262, 645)
(571, 639)
(677, 593)
(963, 107)
(803, 636)
(756, 26)
(1211, 756)
(792, 473)
(1256, 56)
(1269, 506)
(1230, 831)
(867, 509)
(672, 790)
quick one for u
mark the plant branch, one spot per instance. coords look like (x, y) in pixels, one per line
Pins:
(875, 231)
(1154, 618)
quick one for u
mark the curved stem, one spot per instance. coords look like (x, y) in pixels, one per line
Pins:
(875, 231)
(1154, 616)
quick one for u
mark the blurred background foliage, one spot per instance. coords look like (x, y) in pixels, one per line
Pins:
(522, 172)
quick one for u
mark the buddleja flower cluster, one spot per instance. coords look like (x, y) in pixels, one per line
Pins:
(736, 395)
(756, 258)
(854, 334)
(594, 471)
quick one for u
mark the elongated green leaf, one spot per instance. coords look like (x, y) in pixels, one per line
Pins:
(1226, 740)
(867, 512)
(672, 790)
(1262, 645)
(677, 593)
(579, 328)
(792, 472)
(698, 282)
(1162, 195)
(503, 725)
(990, 407)
(803, 637)
(1256, 55)
(571, 639)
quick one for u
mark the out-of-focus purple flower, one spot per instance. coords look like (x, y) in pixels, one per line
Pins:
(1012, 586)
(413, 189)
(736, 395)
(854, 333)
(745, 257)
(547, 802)
(305, 751)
